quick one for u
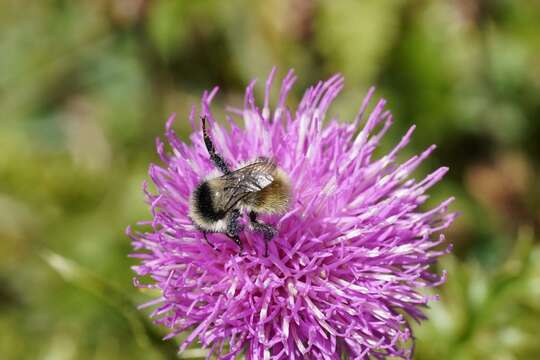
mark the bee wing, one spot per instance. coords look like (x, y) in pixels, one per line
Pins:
(246, 180)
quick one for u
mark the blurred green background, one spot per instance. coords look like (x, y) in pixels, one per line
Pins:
(86, 86)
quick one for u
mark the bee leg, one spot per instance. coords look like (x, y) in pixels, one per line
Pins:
(233, 228)
(236, 239)
(216, 158)
(268, 231)
(209, 242)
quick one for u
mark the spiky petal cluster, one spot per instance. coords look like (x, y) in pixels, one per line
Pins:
(343, 273)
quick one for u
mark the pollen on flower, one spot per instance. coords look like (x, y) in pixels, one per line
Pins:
(343, 272)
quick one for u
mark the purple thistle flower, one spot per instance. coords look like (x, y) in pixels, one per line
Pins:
(344, 271)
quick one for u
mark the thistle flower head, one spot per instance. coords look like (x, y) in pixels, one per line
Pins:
(343, 272)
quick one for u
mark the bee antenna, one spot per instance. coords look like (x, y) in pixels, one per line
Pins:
(215, 157)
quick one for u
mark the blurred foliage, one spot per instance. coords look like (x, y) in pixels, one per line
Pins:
(85, 87)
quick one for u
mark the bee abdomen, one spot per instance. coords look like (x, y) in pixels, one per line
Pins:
(273, 199)
(204, 204)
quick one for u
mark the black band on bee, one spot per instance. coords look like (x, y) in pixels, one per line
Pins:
(205, 204)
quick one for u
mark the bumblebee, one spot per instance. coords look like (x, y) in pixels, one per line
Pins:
(259, 187)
